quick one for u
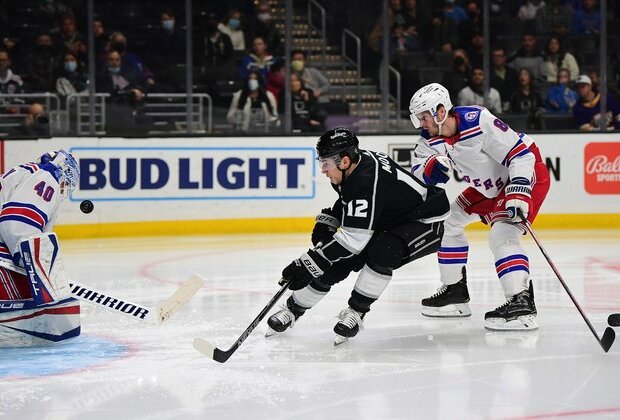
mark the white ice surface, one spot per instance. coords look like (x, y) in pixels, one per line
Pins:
(402, 365)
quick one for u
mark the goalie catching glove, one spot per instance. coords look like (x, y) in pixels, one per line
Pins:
(518, 196)
(436, 170)
(304, 269)
(325, 227)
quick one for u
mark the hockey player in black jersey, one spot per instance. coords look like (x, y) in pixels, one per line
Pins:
(383, 219)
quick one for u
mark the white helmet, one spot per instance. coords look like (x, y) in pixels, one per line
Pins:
(428, 98)
(66, 169)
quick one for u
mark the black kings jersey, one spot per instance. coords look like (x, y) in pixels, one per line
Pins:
(380, 195)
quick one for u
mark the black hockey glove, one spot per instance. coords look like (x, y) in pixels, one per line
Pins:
(304, 269)
(326, 225)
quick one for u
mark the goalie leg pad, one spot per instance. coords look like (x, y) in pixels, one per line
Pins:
(44, 267)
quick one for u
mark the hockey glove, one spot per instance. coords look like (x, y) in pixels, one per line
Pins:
(304, 269)
(326, 225)
(436, 170)
(518, 196)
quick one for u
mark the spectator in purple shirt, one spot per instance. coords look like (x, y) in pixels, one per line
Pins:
(587, 111)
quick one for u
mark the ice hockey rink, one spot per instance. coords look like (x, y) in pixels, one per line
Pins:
(401, 366)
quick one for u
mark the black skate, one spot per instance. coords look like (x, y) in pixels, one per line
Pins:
(518, 313)
(450, 301)
(349, 324)
(284, 318)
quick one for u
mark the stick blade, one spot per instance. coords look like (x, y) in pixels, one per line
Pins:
(204, 347)
(179, 298)
(608, 339)
(208, 349)
(614, 320)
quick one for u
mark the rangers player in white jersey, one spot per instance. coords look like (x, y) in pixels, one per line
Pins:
(506, 177)
(35, 307)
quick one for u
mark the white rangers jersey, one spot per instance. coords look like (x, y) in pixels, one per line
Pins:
(30, 198)
(485, 151)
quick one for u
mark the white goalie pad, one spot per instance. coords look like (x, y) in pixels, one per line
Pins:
(44, 267)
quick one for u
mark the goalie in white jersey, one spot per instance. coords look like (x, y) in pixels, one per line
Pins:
(506, 177)
(35, 303)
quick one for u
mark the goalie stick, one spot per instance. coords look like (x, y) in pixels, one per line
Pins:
(614, 320)
(158, 314)
(222, 356)
(609, 335)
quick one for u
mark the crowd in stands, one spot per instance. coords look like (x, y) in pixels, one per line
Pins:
(239, 57)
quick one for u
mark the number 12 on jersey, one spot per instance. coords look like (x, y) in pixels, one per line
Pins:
(357, 208)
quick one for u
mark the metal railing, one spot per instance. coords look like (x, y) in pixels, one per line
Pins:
(396, 98)
(14, 109)
(357, 62)
(166, 110)
(311, 25)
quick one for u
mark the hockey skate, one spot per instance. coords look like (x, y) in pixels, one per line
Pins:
(285, 318)
(517, 314)
(450, 301)
(349, 324)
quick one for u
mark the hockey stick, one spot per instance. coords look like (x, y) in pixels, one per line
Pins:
(614, 320)
(158, 314)
(222, 356)
(609, 335)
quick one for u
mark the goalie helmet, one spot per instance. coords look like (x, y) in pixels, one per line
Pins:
(337, 143)
(66, 169)
(428, 98)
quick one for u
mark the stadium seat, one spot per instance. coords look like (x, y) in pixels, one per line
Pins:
(557, 122)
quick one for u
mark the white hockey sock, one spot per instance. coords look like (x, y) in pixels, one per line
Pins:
(511, 261)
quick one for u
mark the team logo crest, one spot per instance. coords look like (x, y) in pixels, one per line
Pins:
(471, 116)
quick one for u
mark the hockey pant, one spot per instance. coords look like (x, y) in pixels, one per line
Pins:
(386, 251)
(511, 261)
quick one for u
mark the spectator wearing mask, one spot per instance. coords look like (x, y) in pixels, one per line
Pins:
(263, 26)
(253, 105)
(556, 58)
(217, 46)
(526, 100)
(458, 77)
(528, 56)
(560, 97)
(258, 59)
(503, 78)
(35, 124)
(587, 110)
(276, 78)
(42, 64)
(167, 53)
(311, 77)
(116, 78)
(131, 63)
(234, 31)
(72, 78)
(474, 93)
(307, 116)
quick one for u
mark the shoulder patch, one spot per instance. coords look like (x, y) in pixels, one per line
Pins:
(471, 115)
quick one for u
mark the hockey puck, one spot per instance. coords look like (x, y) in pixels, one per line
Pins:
(614, 320)
(87, 206)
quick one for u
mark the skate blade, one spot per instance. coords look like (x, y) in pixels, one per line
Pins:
(340, 340)
(270, 332)
(458, 310)
(522, 323)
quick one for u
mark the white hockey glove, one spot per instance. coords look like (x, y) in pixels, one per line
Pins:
(518, 197)
(437, 170)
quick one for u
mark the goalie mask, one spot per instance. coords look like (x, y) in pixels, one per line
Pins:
(66, 170)
(429, 98)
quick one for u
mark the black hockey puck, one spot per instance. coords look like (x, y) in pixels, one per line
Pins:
(87, 206)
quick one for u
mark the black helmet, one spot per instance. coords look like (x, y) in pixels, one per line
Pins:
(338, 142)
